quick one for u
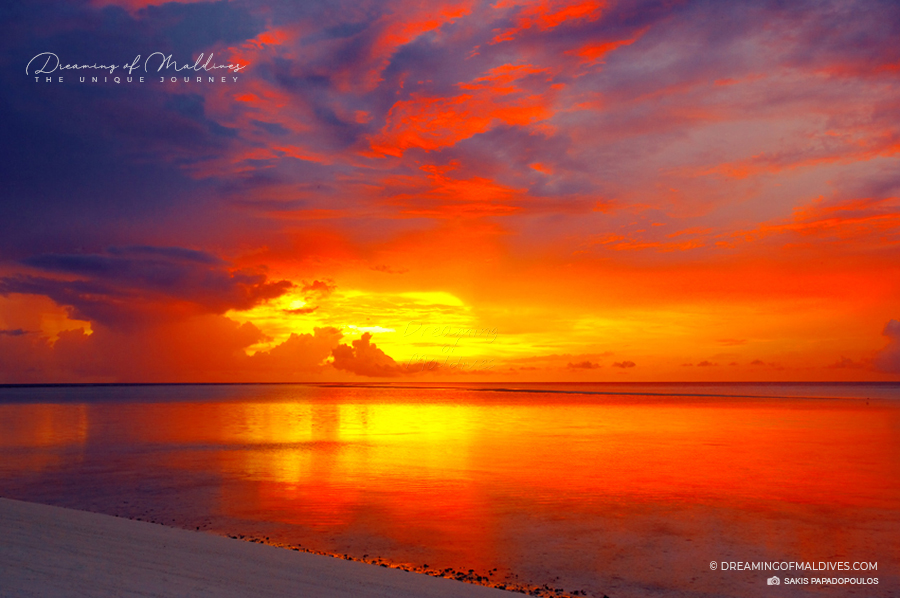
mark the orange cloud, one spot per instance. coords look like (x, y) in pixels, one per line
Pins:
(299, 353)
(595, 52)
(473, 188)
(302, 154)
(440, 195)
(202, 348)
(251, 50)
(275, 37)
(431, 123)
(546, 15)
(866, 221)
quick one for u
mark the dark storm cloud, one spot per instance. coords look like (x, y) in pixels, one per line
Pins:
(365, 359)
(138, 283)
(173, 253)
(13, 332)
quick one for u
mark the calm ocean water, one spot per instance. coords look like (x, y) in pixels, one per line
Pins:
(626, 490)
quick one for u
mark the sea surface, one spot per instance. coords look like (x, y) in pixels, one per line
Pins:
(623, 490)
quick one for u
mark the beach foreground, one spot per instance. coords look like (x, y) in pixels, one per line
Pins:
(50, 551)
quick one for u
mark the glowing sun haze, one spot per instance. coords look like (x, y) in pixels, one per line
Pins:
(567, 190)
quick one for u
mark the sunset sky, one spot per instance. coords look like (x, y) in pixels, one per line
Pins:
(405, 192)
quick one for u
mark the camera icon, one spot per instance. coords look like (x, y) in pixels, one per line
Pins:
(773, 581)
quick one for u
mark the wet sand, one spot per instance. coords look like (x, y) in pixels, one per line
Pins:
(50, 551)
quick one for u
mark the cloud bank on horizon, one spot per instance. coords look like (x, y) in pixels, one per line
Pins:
(618, 190)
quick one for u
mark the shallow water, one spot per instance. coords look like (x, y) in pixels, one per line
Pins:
(623, 490)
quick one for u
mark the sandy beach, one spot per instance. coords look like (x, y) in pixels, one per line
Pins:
(50, 551)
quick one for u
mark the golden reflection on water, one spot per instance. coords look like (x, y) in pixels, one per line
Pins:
(798, 451)
(481, 482)
(807, 454)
